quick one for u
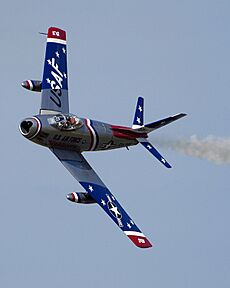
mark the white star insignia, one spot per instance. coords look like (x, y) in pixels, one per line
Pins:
(138, 120)
(163, 160)
(131, 221)
(90, 188)
(114, 209)
(57, 54)
(48, 80)
(113, 197)
(49, 61)
(65, 76)
(129, 225)
(103, 202)
(140, 108)
(149, 147)
(63, 49)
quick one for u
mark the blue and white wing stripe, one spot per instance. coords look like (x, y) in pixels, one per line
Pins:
(54, 82)
(76, 164)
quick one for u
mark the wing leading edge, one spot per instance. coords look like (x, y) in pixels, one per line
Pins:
(80, 169)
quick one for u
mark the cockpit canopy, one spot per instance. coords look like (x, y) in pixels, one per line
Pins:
(65, 121)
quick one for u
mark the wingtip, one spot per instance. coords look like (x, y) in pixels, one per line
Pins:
(138, 239)
(141, 242)
(179, 115)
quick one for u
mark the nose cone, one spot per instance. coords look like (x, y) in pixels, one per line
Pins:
(26, 85)
(71, 197)
(30, 127)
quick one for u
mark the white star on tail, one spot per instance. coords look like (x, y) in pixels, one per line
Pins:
(65, 76)
(163, 160)
(129, 225)
(149, 147)
(140, 108)
(63, 49)
(57, 54)
(48, 80)
(103, 202)
(90, 188)
(138, 120)
(49, 61)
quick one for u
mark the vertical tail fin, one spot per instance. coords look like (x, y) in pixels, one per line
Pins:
(54, 82)
(138, 120)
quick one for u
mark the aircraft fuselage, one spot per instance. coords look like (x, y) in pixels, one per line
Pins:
(87, 135)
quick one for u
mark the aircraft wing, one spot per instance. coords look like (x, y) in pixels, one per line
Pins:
(54, 82)
(77, 165)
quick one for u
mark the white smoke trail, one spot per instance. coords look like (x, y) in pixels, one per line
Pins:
(214, 149)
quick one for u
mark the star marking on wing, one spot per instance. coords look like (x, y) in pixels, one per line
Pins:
(90, 188)
(57, 54)
(63, 50)
(138, 120)
(103, 202)
(48, 80)
(114, 210)
(129, 225)
(149, 147)
(49, 61)
(140, 108)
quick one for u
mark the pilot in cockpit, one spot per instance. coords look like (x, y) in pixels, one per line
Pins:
(66, 122)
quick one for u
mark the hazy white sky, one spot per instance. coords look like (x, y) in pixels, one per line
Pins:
(175, 54)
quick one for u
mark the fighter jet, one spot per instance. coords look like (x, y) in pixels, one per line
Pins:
(68, 135)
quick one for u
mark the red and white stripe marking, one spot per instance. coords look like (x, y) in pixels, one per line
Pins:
(29, 85)
(56, 35)
(75, 197)
(138, 239)
(92, 134)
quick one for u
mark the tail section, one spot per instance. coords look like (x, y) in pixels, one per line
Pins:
(139, 129)
(54, 82)
(138, 120)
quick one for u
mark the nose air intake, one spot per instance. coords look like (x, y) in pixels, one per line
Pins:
(26, 126)
(30, 127)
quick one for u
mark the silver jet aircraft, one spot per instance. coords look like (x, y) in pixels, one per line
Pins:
(68, 135)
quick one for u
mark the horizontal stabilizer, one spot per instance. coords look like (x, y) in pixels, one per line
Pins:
(160, 123)
(154, 152)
